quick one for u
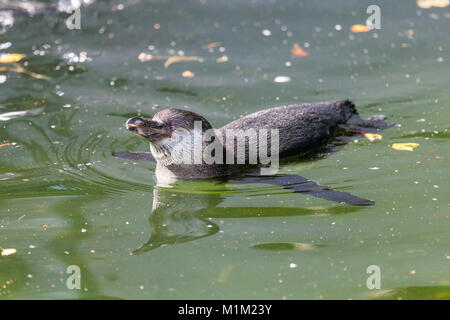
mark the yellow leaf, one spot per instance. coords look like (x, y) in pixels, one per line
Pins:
(356, 28)
(426, 4)
(188, 74)
(406, 146)
(222, 59)
(175, 59)
(373, 136)
(7, 252)
(10, 57)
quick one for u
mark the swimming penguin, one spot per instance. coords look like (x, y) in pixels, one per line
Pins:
(185, 145)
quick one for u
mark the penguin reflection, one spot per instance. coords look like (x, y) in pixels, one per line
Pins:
(178, 217)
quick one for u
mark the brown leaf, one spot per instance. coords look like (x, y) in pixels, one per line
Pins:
(296, 51)
(212, 45)
(20, 69)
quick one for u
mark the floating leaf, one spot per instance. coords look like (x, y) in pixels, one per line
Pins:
(296, 51)
(19, 69)
(406, 146)
(188, 74)
(426, 4)
(222, 59)
(175, 59)
(212, 45)
(7, 252)
(10, 57)
(356, 28)
(373, 136)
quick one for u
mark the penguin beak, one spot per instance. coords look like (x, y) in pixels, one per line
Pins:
(148, 129)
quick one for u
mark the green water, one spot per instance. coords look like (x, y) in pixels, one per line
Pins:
(64, 200)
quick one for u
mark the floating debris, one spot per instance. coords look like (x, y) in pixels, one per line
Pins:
(73, 58)
(405, 146)
(373, 136)
(143, 57)
(212, 45)
(9, 251)
(20, 69)
(222, 59)
(357, 28)
(267, 32)
(426, 4)
(10, 57)
(188, 74)
(176, 59)
(282, 79)
(296, 51)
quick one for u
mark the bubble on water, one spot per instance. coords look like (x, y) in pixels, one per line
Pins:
(73, 58)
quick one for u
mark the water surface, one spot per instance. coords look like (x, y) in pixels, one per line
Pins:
(65, 200)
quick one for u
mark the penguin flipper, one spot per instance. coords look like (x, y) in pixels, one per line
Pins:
(138, 156)
(302, 185)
